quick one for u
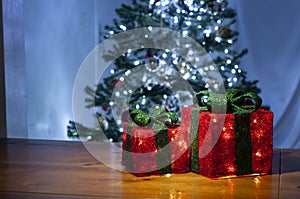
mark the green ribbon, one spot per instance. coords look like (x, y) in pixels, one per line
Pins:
(231, 102)
(160, 119)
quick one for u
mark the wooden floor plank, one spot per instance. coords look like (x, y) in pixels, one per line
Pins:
(290, 174)
(45, 169)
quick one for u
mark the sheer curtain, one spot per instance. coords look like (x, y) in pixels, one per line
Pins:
(270, 29)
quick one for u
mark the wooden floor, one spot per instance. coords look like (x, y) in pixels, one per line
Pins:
(66, 170)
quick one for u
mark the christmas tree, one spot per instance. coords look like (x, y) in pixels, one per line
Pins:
(208, 22)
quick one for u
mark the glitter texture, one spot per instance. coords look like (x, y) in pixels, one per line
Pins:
(147, 158)
(252, 153)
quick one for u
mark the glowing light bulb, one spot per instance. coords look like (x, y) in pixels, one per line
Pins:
(258, 154)
(123, 27)
(112, 71)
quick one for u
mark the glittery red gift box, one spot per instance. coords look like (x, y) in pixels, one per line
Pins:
(143, 156)
(230, 144)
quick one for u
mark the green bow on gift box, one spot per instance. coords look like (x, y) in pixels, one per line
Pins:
(233, 101)
(159, 120)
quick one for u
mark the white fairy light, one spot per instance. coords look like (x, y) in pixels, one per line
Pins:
(129, 51)
(189, 3)
(162, 62)
(211, 67)
(111, 103)
(239, 70)
(229, 41)
(127, 72)
(111, 32)
(112, 71)
(164, 55)
(123, 27)
(163, 15)
(226, 51)
(218, 39)
(219, 21)
(146, 36)
(233, 71)
(143, 101)
(151, 2)
(137, 106)
(150, 28)
(229, 79)
(199, 26)
(230, 84)
(122, 79)
(199, 18)
(176, 20)
(137, 62)
(193, 77)
(236, 66)
(202, 10)
(165, 96)
(216, 86)
(178, 10)
(125, 92)
(121, 130)
(117, 94)
(228, 61)
(235, 79)
(185, 33)
(222, 68)
(188, 23)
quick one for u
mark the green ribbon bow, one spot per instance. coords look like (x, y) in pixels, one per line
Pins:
(160, 119)
(232, 102)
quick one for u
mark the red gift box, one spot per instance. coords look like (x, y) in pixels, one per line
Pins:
(230, 144)
(146, 152)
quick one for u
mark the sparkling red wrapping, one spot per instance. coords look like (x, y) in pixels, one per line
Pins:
(143, 148)
(221, 160)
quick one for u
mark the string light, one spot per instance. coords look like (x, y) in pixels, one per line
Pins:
(112, 71)
(123, 27)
